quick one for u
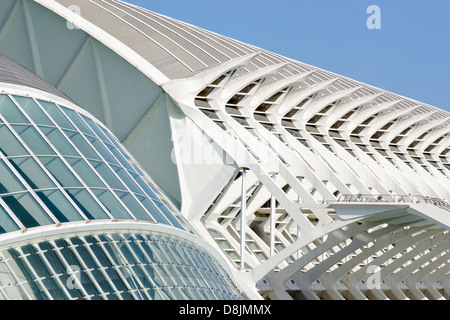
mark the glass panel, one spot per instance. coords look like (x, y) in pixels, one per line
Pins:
(7, 224)
(85, 172)
(156, 214)
(94, 127)
(133, 206)
(61, 208)
(32, 173)
(87, 204)
(97, 251)
(98, 145)
(10, 111)
(168, 214)
(107, 175)
(33, 110)
(58, 141)
(144, 186)
(126, 179)
(119, 156)
(8, 181)
(33, 139)
(77, 120)
(60, 171)
(82, 145)
(111, 203)
(54, 112)
(116, 144)
(10, 146)
(27, 210)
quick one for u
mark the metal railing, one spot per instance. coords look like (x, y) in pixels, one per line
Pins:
(389, 198)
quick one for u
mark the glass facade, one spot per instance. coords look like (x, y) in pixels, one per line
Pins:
(58, 165)
(113, 266)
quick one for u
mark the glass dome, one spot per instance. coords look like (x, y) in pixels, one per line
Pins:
(59, 165)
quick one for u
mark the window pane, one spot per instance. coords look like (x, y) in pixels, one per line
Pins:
(133, 206)
(98, 145)
(8, 181)
(111, 203)
(94, 127)
(168, 214)
(144, 186)
(85, 172)
(58, 141)
(61, 208)
(60, 171)
(33, 139)
(156, 214)
(54, 112)
(82, 145)
(7, 224)
(107, 175)
(32, 173)
(87, 204)
(10, 146)
(77, 120)
(127, 179)
(27, 210)
(119, 156)
(33, 110)
(10, 111)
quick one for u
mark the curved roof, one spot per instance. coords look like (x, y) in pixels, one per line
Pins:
(180, 50)
(13, 73)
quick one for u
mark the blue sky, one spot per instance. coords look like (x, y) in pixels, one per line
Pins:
(409, 55)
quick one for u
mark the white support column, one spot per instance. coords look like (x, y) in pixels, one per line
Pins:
(243, 218)
(272, 220)
(272, 225)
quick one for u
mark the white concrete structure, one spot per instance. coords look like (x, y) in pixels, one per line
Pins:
(346, 186)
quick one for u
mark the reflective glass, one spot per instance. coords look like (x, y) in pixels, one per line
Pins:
(95, 128)
(119, 156)
(77, 120)
(7, 224)
(107, 175)
(32, 173)
(116, 209)
(153, 210)
(87, 204)
(168, 214)
(101, 149)
(81, 144)
(10, 111)
(56, 114)
(8, 180)
(123, 175)
(10, 145)
(69, 152)
(30, 107)
(59, 142)
(58, 204)
(33, 140)
(85, 172)
(133, 206)
(144, 186)
(27, 210)
(60, 171)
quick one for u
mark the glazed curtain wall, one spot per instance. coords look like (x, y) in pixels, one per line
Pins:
(112, 266)
(58, 165)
